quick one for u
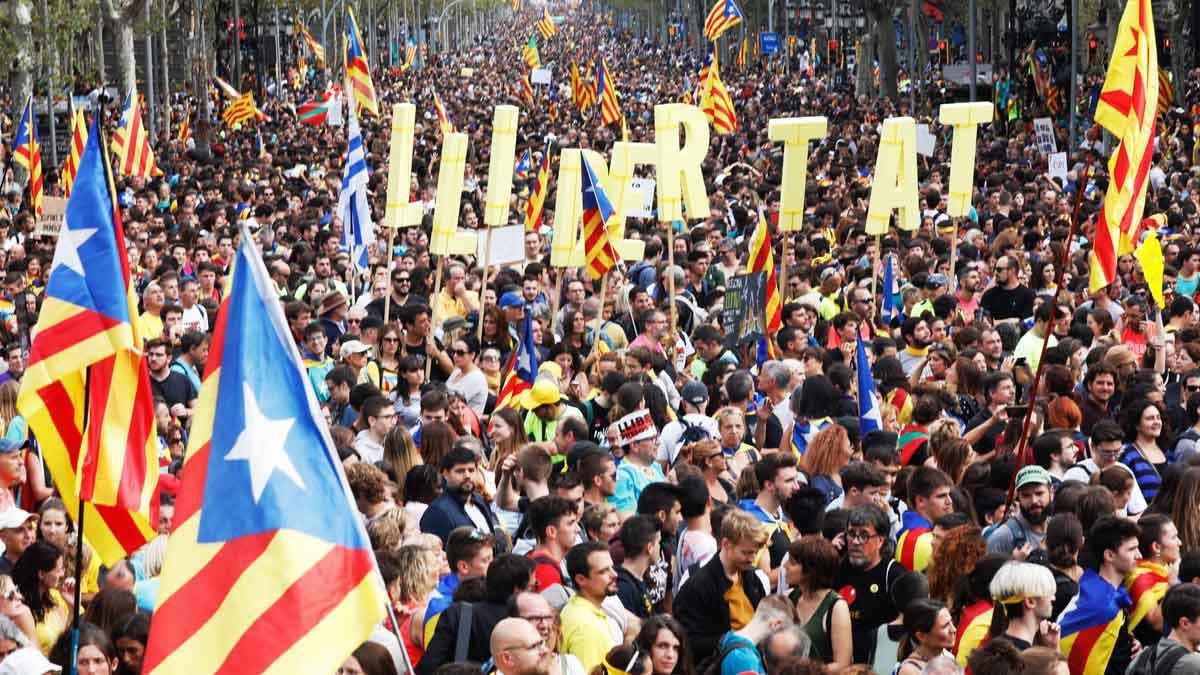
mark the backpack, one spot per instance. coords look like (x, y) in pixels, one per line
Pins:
(1148, 662)
(712, 664)
(1018, 534)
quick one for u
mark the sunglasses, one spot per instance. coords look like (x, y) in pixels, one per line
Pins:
(459, 352)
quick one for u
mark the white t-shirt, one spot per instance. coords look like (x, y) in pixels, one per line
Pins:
(695, 546)
(668, 440)
(367, 448)
(473, 387)
(1082, 471)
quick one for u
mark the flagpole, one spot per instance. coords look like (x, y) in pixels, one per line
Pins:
(1037, 377)
(596, 337)
(674, 312)
(953, 285)
(437, 292)
(783, 265)
(875, 271)
(387, 298)
(487, 255)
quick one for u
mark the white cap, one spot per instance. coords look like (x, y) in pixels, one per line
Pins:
(14, 517)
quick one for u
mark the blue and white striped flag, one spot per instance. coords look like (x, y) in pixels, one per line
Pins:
(357, 230)
(869, 418)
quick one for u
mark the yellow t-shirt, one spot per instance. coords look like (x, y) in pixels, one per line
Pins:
(152, 326)
(53, 623)
(450, 306)
(740, 609)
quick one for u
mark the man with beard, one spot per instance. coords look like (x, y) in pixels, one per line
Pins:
(588, 629)
(967, 294)
(518, 649)
(778, 480)
(1026, 529)
(1024, 596)
(864, 578)
(459, 504)
(916, 340)
(1009, 299)
(535, 609)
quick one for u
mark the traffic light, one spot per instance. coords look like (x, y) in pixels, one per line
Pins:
(1093, 43)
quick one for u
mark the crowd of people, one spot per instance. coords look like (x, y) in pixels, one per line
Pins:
(662, 499)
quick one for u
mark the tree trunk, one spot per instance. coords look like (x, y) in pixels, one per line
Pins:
(120, 23)
(22, 72)
(880, 17)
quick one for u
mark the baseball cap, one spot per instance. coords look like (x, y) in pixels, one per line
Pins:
(9, 445)
(1032, 475)
(14, 517)
(354, 347)
(543, 392)
(935, 281)
(511, 300)
(694, 393)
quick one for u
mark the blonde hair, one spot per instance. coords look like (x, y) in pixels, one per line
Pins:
(419, 577)
(739, 527)
(1015, 581)
(8, 404)
(388, 530)
(727, 412)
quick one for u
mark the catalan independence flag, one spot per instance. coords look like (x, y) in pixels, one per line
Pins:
(597, 247)
(269, 569)
(724, 15)
(443, 119)
(523, 166)
(358, 68)
(1147, 584)
(522, 368)
(537, 195)
(79, 134)
(131, 143)
(914, 546)
(28, 153)
(1091, 624)
(606, 95)
(185, 126)
(716, 102)
(762, 259)
(88, 323)
(546, 25)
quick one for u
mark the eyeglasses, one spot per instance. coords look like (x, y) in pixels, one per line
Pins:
(535, 647)
(859, 536)
(391, 339)
(1192, 387)
(539, 618)
(401, 280)
(174, 441)
(353, 320)
(459, 352)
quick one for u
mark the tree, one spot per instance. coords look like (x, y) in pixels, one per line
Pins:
(879, 16)
(120, 15)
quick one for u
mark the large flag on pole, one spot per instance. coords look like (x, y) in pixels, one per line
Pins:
(606, 94)
(522, 369)
(358, 68)
(546, 25)
(597, 247)
(762, 259)
(131, 142)
(268, 569)
(715, 100)
(888, 311)
(28, 153)
(358, 232)
(724, 15)
(537, 194)
(529, 52)
(89, 321)
(1126, 108)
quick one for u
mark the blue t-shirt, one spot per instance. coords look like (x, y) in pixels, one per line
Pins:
(745, 659)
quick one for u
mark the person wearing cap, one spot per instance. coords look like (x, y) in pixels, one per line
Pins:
(332, 315)
(357, 355)
(638, 436)
(18, 531)
(934, 287)
(513, 306)
(542, 405)
(1026, 529)
(1029, 347)
(693, 425)
(831, 282)
(13, 471)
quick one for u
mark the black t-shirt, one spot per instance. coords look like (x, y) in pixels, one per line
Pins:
(436, 373)
(633, 594)
(176, 388)
(871, 604)
(1002, 303)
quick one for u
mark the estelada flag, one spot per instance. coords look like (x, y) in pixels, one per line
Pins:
(89, 322)
(268, 569)
(1091, 624)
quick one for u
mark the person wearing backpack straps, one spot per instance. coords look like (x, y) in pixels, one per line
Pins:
(1175, 654)
(1025, 529)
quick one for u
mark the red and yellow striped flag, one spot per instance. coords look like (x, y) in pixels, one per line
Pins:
(1166, 91)
(763, 260)
(546, 25)
(131, 143)
(315, 47)
(242, 109)
(88, 323)
(1126, 109)
(358, 68)
(185, 125)
(1091, 625)
(597, 247)
(79, 135)
(716, 102)
(606, 94)
(443, 119)
(1147, 585)
(28, 153)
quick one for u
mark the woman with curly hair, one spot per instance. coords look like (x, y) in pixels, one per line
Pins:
(1148, 441)
(828, 452)
(959, 550)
